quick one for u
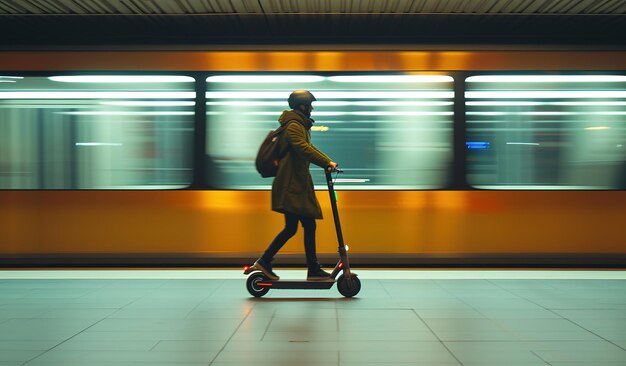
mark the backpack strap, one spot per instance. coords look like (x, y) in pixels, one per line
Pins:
(280, 130)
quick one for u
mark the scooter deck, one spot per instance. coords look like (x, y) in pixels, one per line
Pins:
(294, 285)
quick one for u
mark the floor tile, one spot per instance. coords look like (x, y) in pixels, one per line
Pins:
(19, 312)
(540, 363)
(443, 318)
(539, 325)
(464, 325)
(166, 324)
(72, 357)
(19, 355)
(303, 325)
(503, 304)
(492, 352)
(295, 357)
(115, 363)
(283, 362)
(173, 335)
(347, 345)
(471, 335)
(352, 336)
(26, 345)
(621, 343)
(43, 329)
(536, 336)
(134, 313)
(65, 313)
(434, 355)
(306, 312)
(436, 304)
(586, 363)
(591, 357)
(413, 363)
(594, 324)
(189, 346)
(531, 346)
(450, 314)
(108, 345)
(592, 313)
(219, 312)
(614, 335)
(373, 324)
(519, 314)
(252, 328)
(389, 314)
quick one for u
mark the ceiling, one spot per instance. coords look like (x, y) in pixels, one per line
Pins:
(40, 24)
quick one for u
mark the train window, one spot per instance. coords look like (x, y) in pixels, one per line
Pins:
(546, 131)
(391, 131)
(96, 132)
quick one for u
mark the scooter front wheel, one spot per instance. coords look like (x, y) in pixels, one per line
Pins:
(348, 286)
(252, 284)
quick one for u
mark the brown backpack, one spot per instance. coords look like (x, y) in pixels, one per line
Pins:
(269, 155)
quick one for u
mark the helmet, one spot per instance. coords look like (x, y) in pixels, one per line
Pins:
(300, 97)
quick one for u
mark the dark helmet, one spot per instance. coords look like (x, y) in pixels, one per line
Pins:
(300, 97)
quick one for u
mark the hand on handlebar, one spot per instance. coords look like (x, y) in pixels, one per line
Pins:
(332, 166)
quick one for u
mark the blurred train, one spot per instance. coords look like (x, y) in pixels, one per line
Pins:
(481, 158)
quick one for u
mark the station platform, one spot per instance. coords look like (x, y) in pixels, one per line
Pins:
(400, 317)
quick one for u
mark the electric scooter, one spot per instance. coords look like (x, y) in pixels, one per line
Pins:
(348, 283)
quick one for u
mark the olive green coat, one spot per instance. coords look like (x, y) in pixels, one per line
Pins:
(292, 189)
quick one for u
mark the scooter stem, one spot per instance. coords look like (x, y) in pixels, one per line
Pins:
(333, 203)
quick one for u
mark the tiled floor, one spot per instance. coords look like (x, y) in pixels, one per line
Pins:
(414, 317)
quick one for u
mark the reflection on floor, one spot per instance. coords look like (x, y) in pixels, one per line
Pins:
(413, 317)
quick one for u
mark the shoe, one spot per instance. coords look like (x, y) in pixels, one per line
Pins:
(317, 274)
(266, 268)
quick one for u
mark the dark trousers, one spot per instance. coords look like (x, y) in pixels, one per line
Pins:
(291, 227)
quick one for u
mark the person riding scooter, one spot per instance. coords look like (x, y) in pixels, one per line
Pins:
(293, 194)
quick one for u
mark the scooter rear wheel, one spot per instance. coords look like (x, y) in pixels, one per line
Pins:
(254, 289)
(348, 286)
